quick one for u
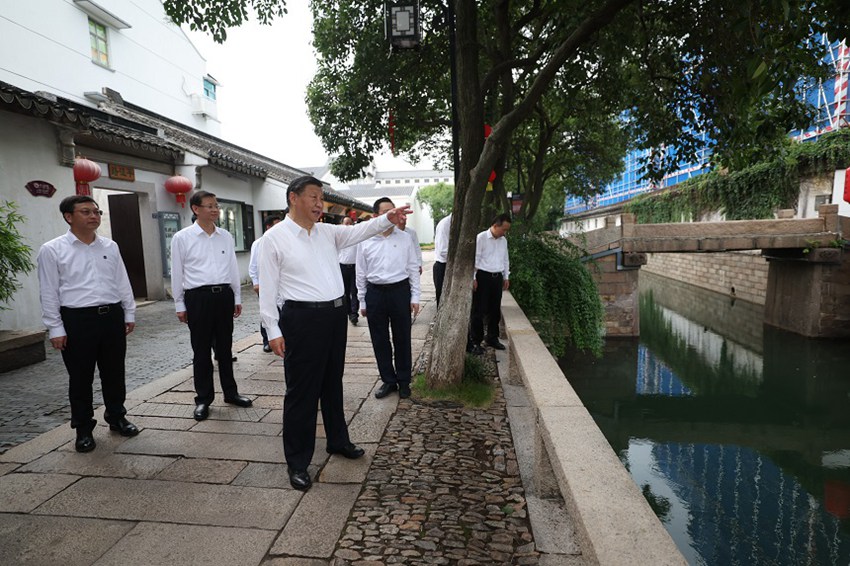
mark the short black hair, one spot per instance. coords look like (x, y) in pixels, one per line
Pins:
(269, 221)
(298, 185)
(68, 203)
(379, 202)
(500, 219)
(198, 198)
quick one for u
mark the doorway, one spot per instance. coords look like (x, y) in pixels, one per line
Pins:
(126, 226)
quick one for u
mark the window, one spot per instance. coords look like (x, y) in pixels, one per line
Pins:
(234, 218)
(99, 46)
(209, 89)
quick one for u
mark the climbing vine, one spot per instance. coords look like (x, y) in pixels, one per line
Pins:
(751, 193)
(556, 292)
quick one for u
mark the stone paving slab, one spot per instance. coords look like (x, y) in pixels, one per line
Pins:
(315, 526)
(238, 427)
(161, 385)
(216, 446)
(202, 470)
(157, 543)
(32, 540)
(273, 475)
(6, 468)
(174, 502)
(268, 375)
(343, 470)
(554, 530)
(273, 416)
(217, 411)
(175, 397)
(163, 423)
(269, 402)
(21, 493)
(295, 561)
(39, 446)
(99, 463)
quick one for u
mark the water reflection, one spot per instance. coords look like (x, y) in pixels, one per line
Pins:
(738, 434)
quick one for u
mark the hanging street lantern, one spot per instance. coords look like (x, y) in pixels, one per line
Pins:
(402, 25)
(179, 185)
(85, 172)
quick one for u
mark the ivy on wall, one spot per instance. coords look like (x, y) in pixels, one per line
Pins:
(752, 193)
(556, 292)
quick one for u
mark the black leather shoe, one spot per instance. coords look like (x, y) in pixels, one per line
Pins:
(385, 389)
(404, 390)
(239, 400)
(353, 319)
(495, 344)
(267, 348)
(476, 350)
(85, 442)
(124, 427)
(202, 411)
(349, 451)
(300, 479)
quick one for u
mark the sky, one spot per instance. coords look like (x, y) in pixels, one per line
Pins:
(264, 72)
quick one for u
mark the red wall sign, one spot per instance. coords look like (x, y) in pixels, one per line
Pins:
(40, 189)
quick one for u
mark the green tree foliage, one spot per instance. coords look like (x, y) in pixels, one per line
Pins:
(217, 16)
(14, 253)
(556, 291)
(754, 192)
(439, 198)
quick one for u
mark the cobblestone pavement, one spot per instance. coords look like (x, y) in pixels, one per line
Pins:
(444, 488)
(35, 398)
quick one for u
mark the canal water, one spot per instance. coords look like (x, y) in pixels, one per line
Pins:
(737, 434)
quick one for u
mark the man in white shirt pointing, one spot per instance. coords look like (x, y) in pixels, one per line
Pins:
(88, 308)
(299, 267)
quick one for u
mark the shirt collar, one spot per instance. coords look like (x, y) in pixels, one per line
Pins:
(293, 226)
(197, 230)
(73, 239)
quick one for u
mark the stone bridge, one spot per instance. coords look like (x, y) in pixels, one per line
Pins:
(808, 278)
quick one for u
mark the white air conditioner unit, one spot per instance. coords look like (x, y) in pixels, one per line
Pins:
(203, 106)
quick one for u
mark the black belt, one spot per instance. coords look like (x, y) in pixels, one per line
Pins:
(215, 289)
(490, 273)
(397, 284)
(438, 261)
(336, 303)
(100, 309)
(348, 264)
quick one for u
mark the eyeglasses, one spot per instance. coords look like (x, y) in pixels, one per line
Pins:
(210, 206)
(89, 212)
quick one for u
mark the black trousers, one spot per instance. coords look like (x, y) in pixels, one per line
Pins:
(314, 361)
(486, 303)
(211, 327)
(96, 336)
(349, 282)
(388, 307)
(264, 334)
(439, 270)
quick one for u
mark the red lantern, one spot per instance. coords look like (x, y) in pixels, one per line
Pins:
(492, 176)
(85, 172)
(179, 185)
(487, 131)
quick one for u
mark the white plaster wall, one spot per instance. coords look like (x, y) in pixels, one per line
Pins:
(44, 46)
(838, 194)
(28, 152)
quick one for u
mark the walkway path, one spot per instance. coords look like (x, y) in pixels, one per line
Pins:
(437, 485)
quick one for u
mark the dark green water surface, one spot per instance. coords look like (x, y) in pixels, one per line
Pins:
(737, 434)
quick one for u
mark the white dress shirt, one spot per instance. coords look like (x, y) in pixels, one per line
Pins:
(387, 259)
(417, 248)
(491, 254)
(297, 265)
(199, 259)
(253, 268)
(441, 239)
(74, 274)
(348, 256)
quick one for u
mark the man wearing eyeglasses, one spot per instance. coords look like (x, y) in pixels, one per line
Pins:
(88, 308)
(207, 296)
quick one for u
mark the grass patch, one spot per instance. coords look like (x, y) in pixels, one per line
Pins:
(474, 390)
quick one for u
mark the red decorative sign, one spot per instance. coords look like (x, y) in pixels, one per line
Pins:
(40, 189)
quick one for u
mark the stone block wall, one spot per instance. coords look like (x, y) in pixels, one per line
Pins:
(618, 291)
(739, 274)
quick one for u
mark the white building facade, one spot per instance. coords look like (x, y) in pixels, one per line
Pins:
(117, 83)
